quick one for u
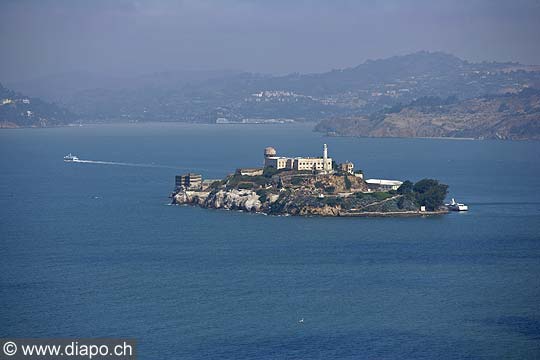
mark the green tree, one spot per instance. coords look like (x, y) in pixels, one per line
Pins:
(430, 193)
(405, 188)
(263, 195)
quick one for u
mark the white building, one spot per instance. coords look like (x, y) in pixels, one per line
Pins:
(320, 164)
(383, 185)
(249, 171)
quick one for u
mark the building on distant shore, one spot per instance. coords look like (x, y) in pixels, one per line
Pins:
(189, 181)
(383, 185)
(319, 164)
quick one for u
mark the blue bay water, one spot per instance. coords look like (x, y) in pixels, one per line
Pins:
(94, 250)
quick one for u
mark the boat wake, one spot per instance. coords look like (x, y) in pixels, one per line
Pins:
(124, 164)
(70, 158)
(157, 166)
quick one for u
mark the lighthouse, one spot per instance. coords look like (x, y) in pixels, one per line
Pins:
(325, 158)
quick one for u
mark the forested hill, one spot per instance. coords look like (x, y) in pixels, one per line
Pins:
(18, 110)
(446, 96)
(360, 90)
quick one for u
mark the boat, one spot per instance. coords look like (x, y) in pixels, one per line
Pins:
(70, 158)
(455, 206)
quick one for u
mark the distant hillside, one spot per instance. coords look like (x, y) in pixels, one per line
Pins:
(17, 110)
(62, 87)
(206, 96)
(509, 116)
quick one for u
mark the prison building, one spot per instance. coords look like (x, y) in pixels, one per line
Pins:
(189, 181)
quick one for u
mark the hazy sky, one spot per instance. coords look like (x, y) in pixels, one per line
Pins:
(41, 37)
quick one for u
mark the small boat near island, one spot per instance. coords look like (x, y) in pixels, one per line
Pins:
(70, 158)
(455, 206)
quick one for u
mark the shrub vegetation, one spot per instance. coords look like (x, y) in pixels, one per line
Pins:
(430, 193)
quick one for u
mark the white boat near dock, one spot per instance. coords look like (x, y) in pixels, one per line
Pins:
(455, 206)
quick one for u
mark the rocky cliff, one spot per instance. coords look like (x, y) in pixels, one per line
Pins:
(303, 203)
(233, 199)
(513, 116)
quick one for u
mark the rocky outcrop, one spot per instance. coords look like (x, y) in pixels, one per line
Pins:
(190, 197)
(290, 202)
(234, 199)
(320, 211)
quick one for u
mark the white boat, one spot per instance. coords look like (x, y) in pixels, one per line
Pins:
(455, 206)
(70, 158)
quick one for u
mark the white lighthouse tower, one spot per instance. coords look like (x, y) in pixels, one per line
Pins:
(325, 158)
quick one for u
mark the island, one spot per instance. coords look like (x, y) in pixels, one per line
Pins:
(310, 186)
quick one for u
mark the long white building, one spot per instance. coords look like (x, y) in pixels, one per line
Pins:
(383, 185)
(321, 164)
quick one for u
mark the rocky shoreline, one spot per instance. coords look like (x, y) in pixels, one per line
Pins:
(291, 203)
